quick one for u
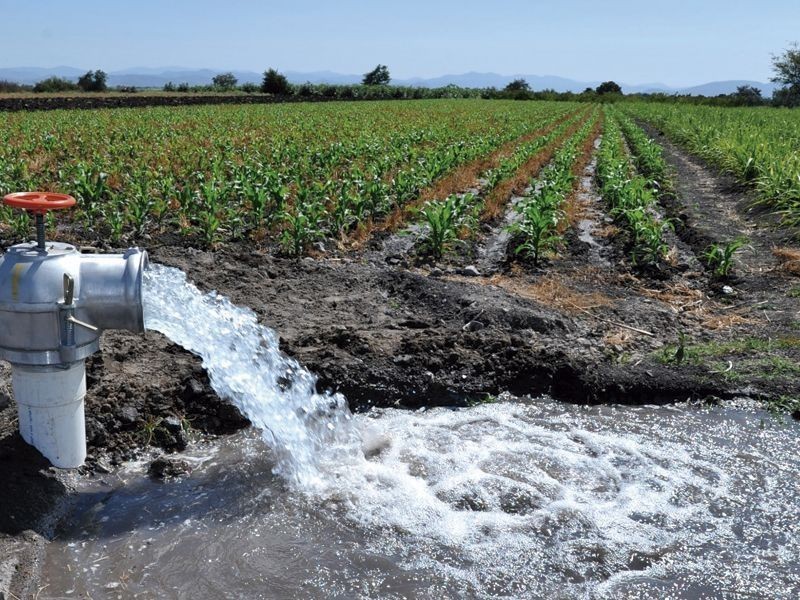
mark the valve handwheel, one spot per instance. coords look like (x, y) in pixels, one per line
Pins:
(39, 203)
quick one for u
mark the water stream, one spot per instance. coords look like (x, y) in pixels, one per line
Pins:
(523, 498)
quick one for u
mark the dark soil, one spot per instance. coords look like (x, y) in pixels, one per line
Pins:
(585, 327)
(28, 103)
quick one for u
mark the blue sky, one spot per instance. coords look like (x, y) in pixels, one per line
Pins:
(675, 42)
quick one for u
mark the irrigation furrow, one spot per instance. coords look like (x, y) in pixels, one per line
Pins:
(499, 196)
(468, 176)
(543, 215)
(757, 146)
(457, 214)
(493, 251)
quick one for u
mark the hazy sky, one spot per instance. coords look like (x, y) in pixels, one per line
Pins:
(676, 42)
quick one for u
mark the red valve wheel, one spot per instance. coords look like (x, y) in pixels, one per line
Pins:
(39, 202)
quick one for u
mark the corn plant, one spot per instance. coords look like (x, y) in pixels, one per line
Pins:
(719, 257)
(302, 226)
(114, 216)
(219, 172)
(538, 228)
(631, 197)
(540, 213)
(445, 218)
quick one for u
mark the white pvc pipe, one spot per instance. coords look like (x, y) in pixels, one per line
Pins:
(51, 415)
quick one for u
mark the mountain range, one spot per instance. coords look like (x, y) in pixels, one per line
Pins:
(149, 77)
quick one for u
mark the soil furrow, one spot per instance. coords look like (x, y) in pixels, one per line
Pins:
(466, 177)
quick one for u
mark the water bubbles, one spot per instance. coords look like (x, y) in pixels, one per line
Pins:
(510, 499)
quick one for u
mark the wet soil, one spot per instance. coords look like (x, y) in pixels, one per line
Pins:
(386, 330)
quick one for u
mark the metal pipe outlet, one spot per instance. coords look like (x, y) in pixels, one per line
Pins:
(54, 305)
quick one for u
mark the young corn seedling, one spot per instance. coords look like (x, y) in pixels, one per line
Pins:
(719, 257)
(538, 228)
(442, 222)
(303, 226)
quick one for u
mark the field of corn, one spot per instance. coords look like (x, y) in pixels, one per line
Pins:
(296, 174)
(758, 146)
(220, 173)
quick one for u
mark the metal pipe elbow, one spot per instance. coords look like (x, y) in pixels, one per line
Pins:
(111, 290)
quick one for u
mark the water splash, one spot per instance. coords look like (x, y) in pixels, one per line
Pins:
(305, 429)
(535, 499)
(517, 499)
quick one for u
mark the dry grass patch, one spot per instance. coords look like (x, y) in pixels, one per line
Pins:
(789, 259)
(679, 297)
(726, 321)
(552, 291)
(683, 299)
(618, 338)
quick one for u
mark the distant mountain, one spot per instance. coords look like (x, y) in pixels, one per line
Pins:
(31, 75)
(150, 77)
(482, 80)
(715, 88)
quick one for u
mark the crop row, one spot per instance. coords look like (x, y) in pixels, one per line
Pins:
(757, 145)
(456, 214)
(222, 172)
(647, 155)
(541, 213)
(631, 196)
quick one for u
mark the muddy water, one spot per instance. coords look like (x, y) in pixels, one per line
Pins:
(514, 499)
(589, 200)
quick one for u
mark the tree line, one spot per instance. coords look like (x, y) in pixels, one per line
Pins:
(375, 85)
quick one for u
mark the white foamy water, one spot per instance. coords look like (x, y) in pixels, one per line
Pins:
(542, 500)
(246, 367)
(518, 499)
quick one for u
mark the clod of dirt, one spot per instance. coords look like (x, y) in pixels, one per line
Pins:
(168, 468)
(171, 435)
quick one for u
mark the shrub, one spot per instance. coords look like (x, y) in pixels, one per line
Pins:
(7, 87)
(55, 84)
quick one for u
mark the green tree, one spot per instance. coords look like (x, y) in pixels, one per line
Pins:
(787, 66)
(93, 81)
(378, 76)
(608, 87)
(518, 85)
(274, 83)
(224, 81)
(747, 95)
(787, 71)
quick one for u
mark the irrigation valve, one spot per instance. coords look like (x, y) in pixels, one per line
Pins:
(54, 304)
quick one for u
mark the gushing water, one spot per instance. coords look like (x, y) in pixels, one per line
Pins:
(519, 499)
(246, 367)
